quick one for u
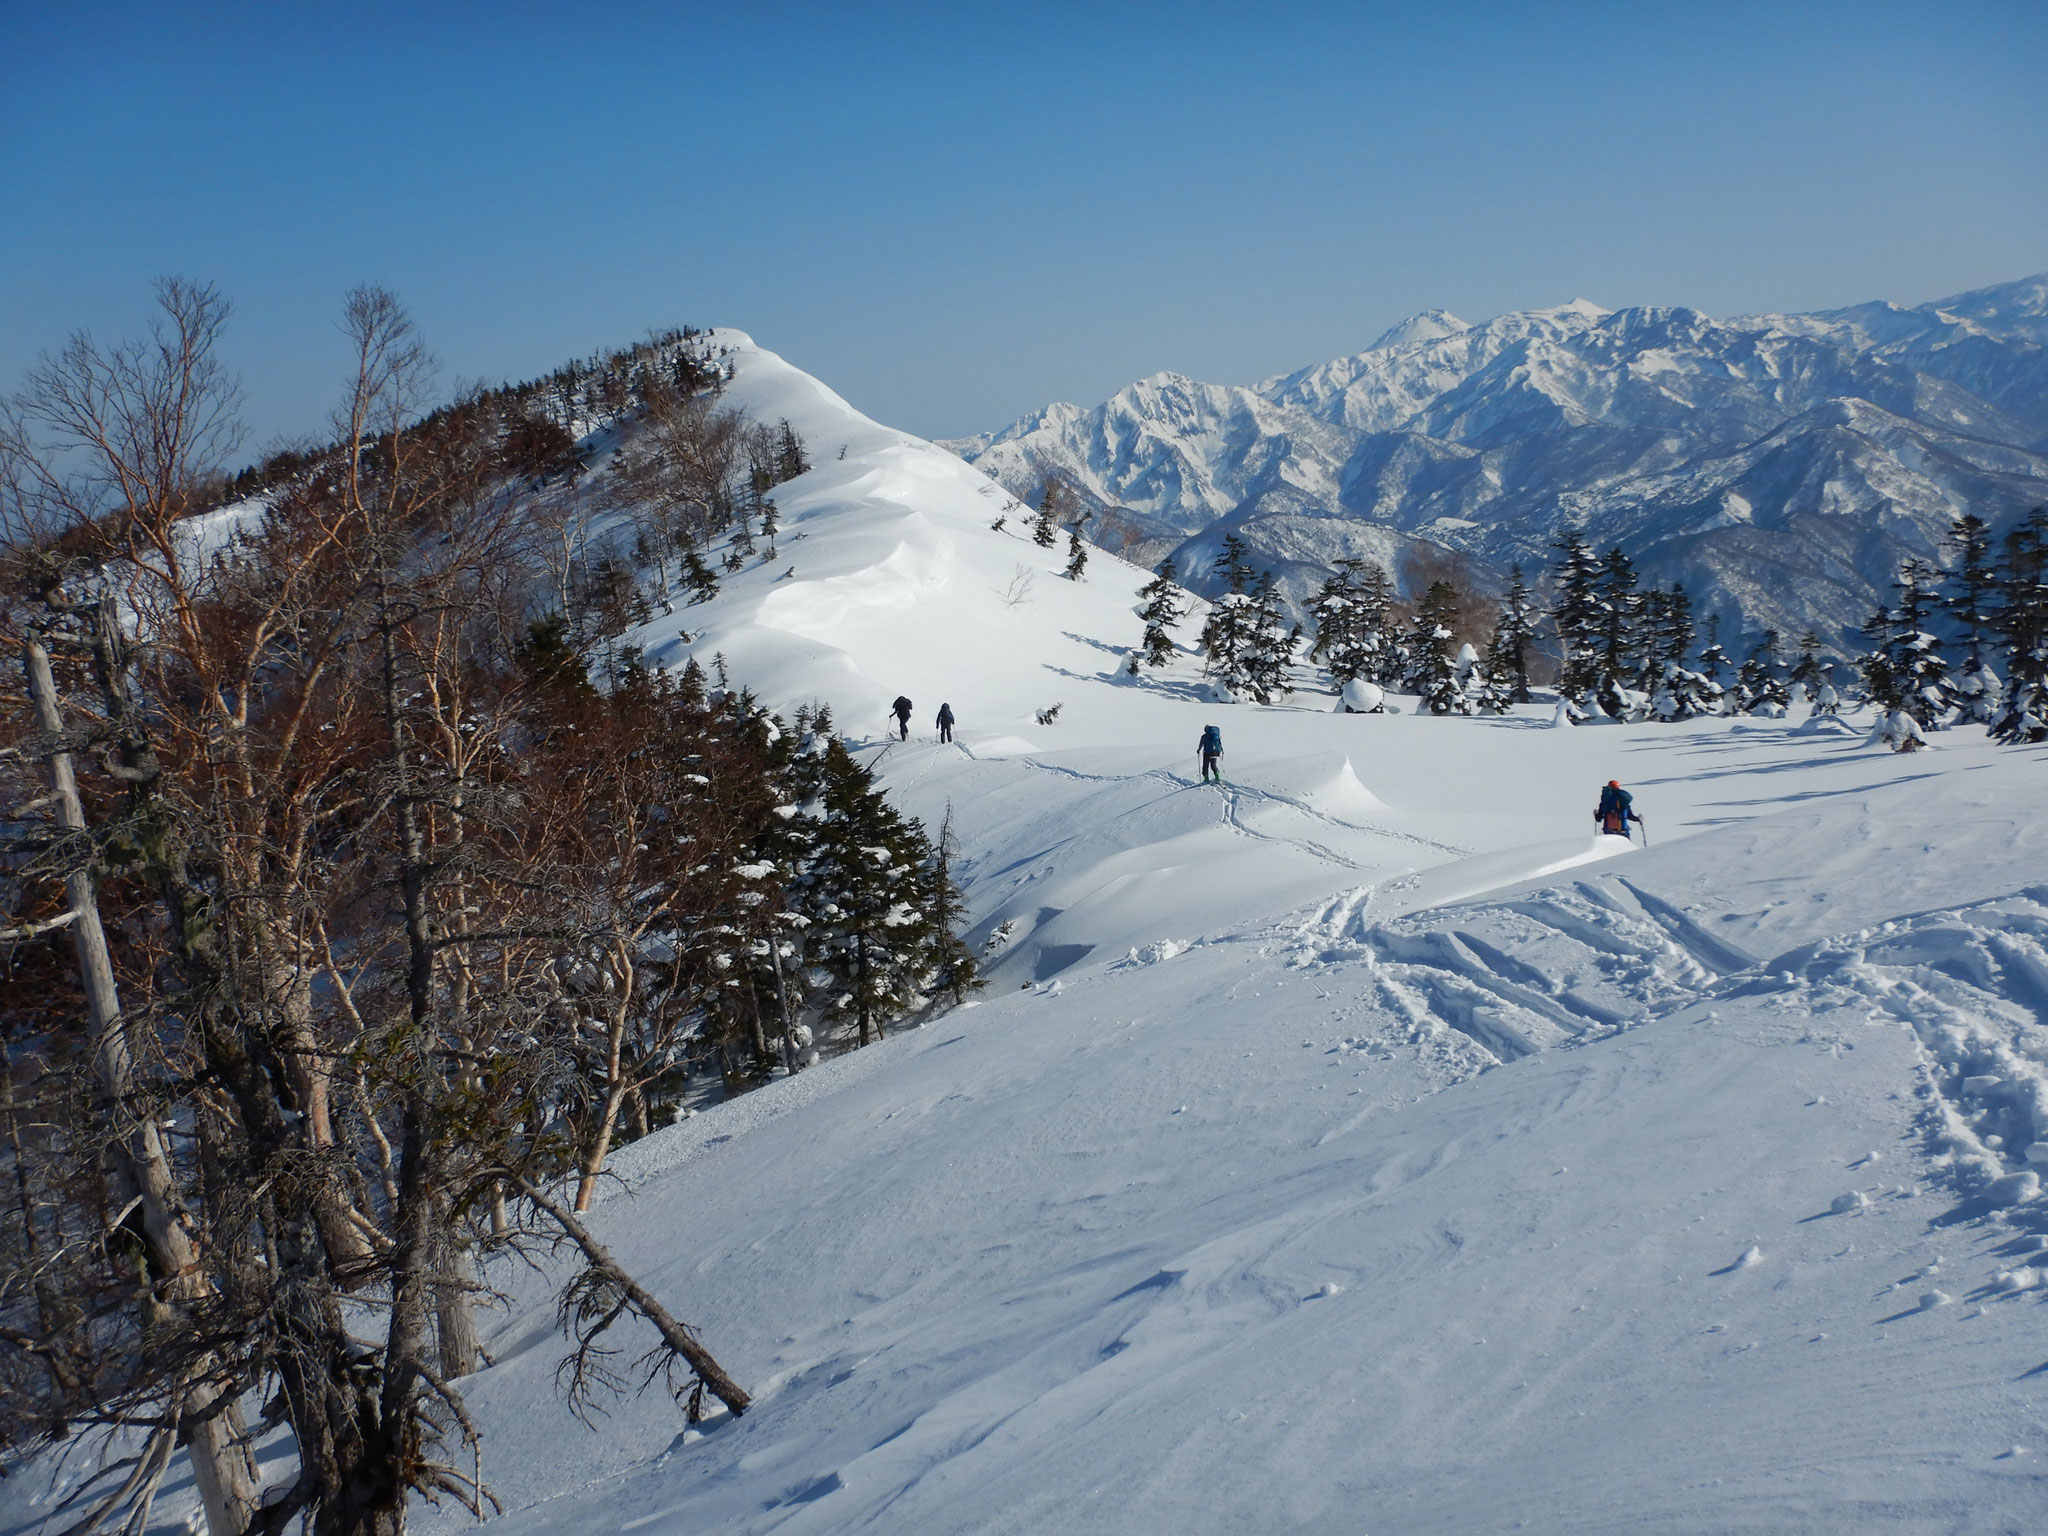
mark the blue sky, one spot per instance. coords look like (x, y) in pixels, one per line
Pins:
(956, 213)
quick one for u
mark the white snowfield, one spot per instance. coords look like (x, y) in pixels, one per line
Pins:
(1361, 1146)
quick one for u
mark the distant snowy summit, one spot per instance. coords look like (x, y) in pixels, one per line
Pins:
(1781, 465)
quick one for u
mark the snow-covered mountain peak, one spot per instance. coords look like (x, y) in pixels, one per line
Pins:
(1585, 308)
(1625, 424)
(1427, 326)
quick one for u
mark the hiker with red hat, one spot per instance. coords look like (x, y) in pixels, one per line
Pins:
(1617, 810)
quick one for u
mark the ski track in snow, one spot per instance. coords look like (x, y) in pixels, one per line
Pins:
(1563, 965)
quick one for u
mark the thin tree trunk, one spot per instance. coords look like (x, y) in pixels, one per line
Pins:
(782, 1003)
(221, 1464)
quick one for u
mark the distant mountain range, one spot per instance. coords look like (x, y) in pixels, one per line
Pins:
(1780, 465)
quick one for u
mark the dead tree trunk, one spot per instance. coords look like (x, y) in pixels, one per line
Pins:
(221, 1464)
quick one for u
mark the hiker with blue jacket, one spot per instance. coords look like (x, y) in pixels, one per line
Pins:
(1616, 810)
(1211, 748)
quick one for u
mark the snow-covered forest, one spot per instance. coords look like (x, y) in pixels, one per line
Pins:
(506, 1019)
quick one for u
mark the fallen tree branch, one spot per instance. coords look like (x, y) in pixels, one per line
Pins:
(673, 1334)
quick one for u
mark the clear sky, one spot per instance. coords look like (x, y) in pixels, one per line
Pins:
(955, 213)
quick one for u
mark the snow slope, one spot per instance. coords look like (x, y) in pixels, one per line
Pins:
(1263, 1191)
(1360, 1146)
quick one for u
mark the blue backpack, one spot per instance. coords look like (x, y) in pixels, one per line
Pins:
(1212, 741)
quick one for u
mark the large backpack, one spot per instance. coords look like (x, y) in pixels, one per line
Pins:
(1614, 811)
(1212, 741)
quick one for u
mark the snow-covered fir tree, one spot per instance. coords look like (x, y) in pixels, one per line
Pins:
(2021, 624)
(1045, 527)
(1484, 691)
(1433, 652)
(1350, 613)
(1808, 671)
(1514, 638)
(1760, 687)
(1077, 550)
(1162, 605)
(953, 970)
(1619, 607)
(864, 891)
(1905, 669)
(1576, 616)
(1713, 663)
(1265, 663)
(1247, 645)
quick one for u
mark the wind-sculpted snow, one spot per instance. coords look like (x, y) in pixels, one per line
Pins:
(1548, 1208)
(1725, 453)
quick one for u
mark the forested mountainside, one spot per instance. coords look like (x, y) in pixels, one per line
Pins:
(1780, 466)
(366, 889)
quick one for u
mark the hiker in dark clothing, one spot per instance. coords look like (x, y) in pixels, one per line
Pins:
(1211, 748)
(945, 722)
(902, 707)
(1617, 810)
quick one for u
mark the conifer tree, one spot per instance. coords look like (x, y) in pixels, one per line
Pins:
(1266, 661)
(1245, 643)
(1971, 586)
(1808, 673)
(865, 896)
(1619, 610)
(1577, 619)
(790, 458)
(2021, 624)
(698, 576)
(954, 973)
(1514, 637)
(1714, 661)
(1498, 670)
(1915, 670)
(1970, 596)
(1433, 658)
(1352, 613)
(1045, 528)
(1077, 551)
(1759, 689)
(1161, 608)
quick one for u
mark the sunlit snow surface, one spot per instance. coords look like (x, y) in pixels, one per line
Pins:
(1359, 1147)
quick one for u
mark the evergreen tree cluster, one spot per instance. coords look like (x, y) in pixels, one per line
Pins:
(1364, 633)
(1967, 642)
(1247, 644)
(1627, 650)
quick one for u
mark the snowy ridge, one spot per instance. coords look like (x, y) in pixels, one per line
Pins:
(1710, 448)
(1361, 1137)
(1362, 1144)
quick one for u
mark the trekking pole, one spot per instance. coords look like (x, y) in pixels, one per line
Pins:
(1646, 830)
